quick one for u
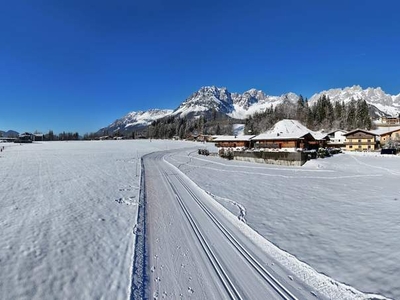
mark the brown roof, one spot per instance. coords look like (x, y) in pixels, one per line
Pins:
(362, 130)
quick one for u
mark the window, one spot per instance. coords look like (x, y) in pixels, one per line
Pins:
(350, 146)
(359, 141)
(369, 141)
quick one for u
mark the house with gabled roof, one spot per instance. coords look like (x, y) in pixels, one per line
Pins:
(287, 135)
(361, 140)
(388, 135)
(336, 139)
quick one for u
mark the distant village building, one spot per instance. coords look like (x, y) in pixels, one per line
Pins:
(361, 140)
(390, 120)
(25, 137)
(388, 136)
(38, 137)
(336, 139)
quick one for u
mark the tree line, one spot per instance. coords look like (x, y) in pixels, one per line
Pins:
(322, 115)
(63, 136)
(183, 128)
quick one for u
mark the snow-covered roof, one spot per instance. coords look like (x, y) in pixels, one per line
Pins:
(385, 130)
(319, 135)
(230, 138)
(285, 129)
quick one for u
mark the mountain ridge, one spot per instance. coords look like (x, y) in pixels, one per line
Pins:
(215, 102)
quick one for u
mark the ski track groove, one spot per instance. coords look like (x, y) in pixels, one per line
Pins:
(226, 281)
(267, 276)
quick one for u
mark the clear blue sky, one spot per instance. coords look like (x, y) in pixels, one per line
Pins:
(78, 65)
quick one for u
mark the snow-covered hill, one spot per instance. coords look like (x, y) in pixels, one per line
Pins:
(386, 103)
(134, 120)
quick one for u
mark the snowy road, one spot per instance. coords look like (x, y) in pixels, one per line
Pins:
(198, 250)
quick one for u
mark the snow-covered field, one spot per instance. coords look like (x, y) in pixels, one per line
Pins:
(67, 212)
(341, 215)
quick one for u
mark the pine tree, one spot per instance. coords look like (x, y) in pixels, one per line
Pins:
(351, 115)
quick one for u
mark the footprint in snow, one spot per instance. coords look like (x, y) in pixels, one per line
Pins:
(190, 290)
(155, 295)
(127, 201)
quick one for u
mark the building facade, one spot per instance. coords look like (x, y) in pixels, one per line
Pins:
(390, 137)
(360, 140)
(289, 143)
(337, 139)
(234, 142)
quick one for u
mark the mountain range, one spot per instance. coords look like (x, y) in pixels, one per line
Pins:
(9, 133)
(215, 102)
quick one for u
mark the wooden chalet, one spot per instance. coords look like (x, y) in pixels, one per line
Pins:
(289, 135)
(233, 141)
(360, 140)
(281, 141)
(321, 140)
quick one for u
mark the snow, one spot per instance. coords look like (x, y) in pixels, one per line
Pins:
(223, 138)
(140, 118)
(285, 129)
(339, 215)
(238, 129)
(67, 217)
(69, 211)
(383, 130)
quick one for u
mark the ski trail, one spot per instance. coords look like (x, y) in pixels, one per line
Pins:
(375, 167)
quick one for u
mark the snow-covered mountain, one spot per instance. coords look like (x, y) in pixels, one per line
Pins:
(386, 103)
(135, 120)
(211, 99)
(206, 101)
(9, 133)
(211, 102)
(253, 101)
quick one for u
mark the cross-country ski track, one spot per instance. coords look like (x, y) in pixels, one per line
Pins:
(196, 252)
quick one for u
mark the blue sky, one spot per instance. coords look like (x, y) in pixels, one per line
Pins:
(79, 65)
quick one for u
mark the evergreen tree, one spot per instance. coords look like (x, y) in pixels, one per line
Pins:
(351, 115)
